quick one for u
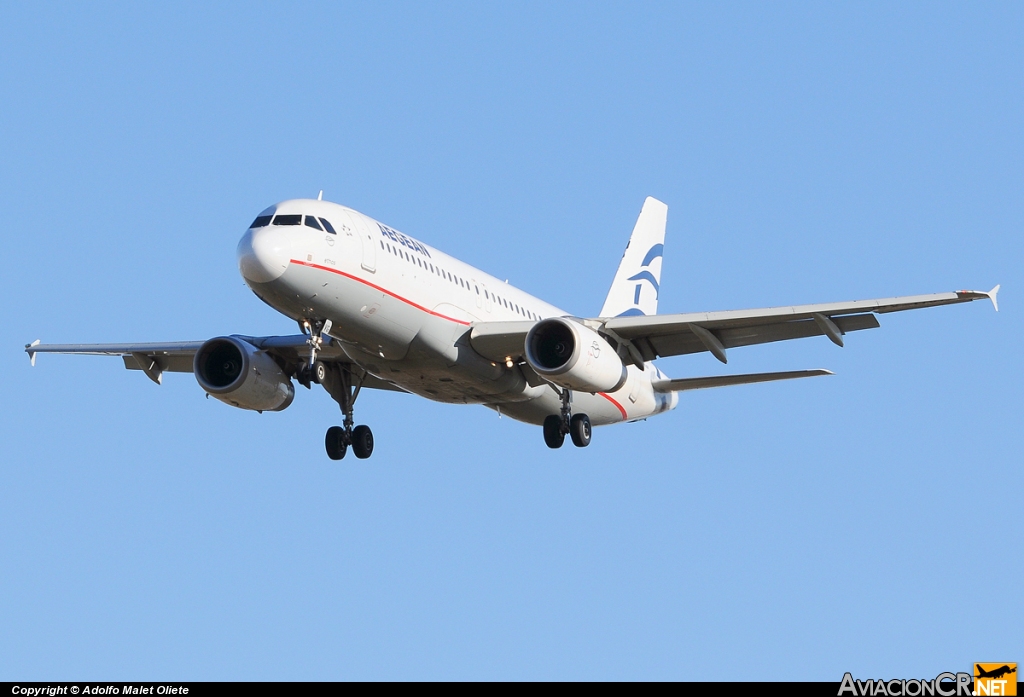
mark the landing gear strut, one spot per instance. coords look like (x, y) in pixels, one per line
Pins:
(339, 382)
(576, 425)
(315, 370)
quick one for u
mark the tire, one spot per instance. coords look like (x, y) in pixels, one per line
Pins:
(335, 442)
(362, 442)
(553, 435)
(579, 430)
(319, 372)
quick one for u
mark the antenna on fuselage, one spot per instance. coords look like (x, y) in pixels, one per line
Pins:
(320, 196)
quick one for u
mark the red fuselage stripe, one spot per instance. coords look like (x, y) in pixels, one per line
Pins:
(383, 290)
(617, 405)
(418, 307)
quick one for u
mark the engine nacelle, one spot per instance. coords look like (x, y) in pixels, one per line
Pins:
(239, 374)
(574, 356)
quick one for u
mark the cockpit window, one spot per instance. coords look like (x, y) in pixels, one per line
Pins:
(288, 220)
(327, 226)
(311, 222)
(262, 221)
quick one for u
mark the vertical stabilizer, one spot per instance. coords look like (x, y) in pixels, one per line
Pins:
(637, 282)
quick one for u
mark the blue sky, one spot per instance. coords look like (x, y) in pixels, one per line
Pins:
(808, 153)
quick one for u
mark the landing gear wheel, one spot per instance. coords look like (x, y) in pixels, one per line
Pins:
(335, 442)
(579, 430)
(319, 372)
(362, 442)
(553, 434)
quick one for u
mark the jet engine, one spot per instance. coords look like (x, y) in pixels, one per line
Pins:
(239, 374)
(574, 356)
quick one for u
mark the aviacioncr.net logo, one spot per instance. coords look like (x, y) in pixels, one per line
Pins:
(943, 685)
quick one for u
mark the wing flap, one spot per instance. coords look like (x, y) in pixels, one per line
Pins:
(686, 341)
(166, 363)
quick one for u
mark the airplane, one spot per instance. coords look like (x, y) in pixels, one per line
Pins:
(995, 673)
(379, 309)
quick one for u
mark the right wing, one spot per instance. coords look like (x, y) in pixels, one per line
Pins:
(154, 359)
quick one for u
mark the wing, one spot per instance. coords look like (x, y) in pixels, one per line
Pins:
(155, 359)
(673, 335)
(644, 338)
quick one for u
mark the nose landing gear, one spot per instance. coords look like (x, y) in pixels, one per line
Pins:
(576, 425)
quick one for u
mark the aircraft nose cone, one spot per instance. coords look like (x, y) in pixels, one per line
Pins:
(264, 254)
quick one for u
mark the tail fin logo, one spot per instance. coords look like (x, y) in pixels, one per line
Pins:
(645, 274)
(637, 280)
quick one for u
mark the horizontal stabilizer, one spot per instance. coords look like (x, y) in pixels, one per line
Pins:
(992, 296)
(683, 384)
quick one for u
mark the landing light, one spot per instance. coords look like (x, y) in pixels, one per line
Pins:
(508, 361)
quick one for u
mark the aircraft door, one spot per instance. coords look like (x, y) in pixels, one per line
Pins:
(487, 297)
(479, 288)
(362, 231)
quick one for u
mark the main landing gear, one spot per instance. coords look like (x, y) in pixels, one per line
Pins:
(338, 381)
(576, 425)
(343, 386)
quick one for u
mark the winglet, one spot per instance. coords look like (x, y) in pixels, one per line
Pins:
(31, 353)
(992, 296)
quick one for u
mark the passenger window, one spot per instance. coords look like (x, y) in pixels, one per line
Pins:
(327, 226)
(311, 222)
(262, 221)
(288, 220)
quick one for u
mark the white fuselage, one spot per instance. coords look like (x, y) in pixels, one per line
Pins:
(402, 311)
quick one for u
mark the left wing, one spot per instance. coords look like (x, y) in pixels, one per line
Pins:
(154, 359)
(644, 338)
(673, 335)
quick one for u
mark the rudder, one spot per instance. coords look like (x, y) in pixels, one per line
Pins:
(638, 280)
